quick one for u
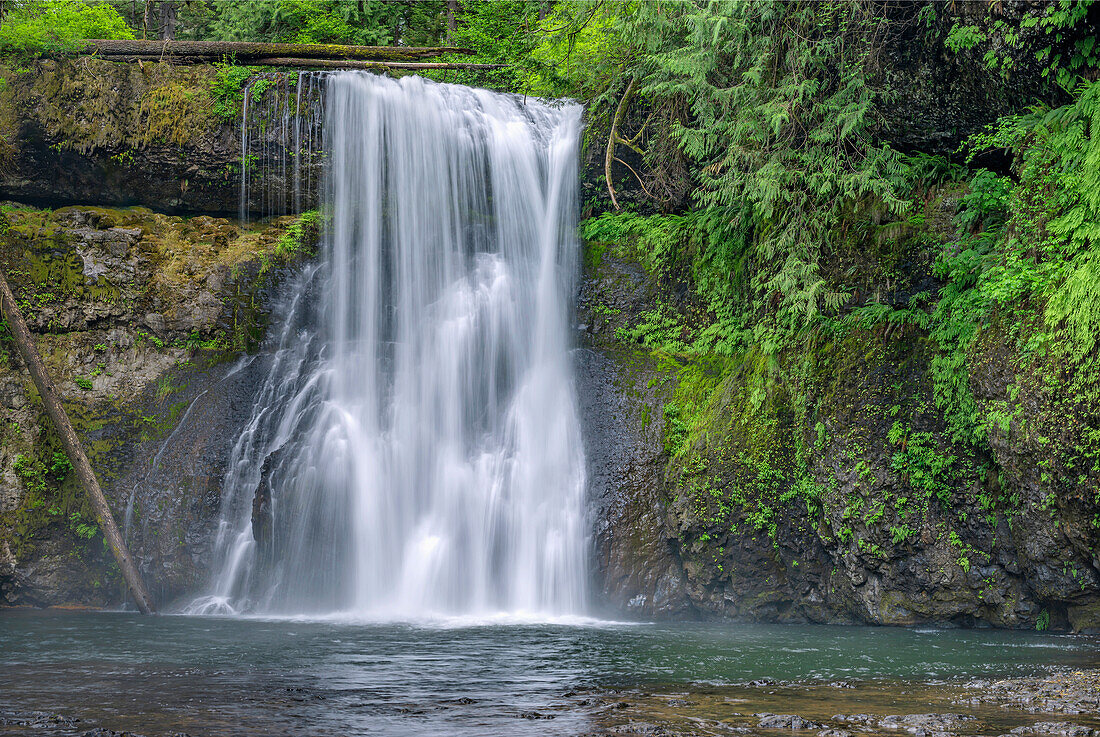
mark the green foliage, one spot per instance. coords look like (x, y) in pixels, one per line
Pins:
(83, 530)
(1057, 35)
(986, 202)
(656, 242)
(227, 87)
(1042, 622)
(920, 463)
(60, 467)
(58, 25)
(661, 328)
(686, 413)
(963, 38)
(781, 104)
(360, 23)
(366, 22)
(1034, 240)
(501, 32)
(32, 473)
(300, 236)
(579, 51)
(666, 246)
(83, 383)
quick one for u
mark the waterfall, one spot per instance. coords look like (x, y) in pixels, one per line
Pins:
(416, 448)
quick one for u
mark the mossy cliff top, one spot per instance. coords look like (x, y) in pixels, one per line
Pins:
(88, 105)
(87, 130)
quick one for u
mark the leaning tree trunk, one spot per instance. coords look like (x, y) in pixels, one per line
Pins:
(73, 449)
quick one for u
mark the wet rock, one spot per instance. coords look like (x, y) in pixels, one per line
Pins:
(1066, 692)
(58, 158)
(155, 322)
(927, 724)
(37, 720)
(834, 733)
(108, 281)
(785, 721)
(860, 719)
(535, 715)
(262, 519)
(1056, 729)
(641, 728)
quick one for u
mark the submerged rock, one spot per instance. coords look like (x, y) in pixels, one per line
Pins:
(785, 721)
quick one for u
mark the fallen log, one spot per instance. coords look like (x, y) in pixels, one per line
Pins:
(313, 63)
(243, 51)
(73, 448)
(381, 65)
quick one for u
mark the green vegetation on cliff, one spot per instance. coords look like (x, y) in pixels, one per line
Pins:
(883, 352)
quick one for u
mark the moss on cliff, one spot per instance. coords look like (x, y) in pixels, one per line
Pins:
(89, 104)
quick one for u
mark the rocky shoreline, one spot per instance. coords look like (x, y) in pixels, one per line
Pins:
(1064, 703)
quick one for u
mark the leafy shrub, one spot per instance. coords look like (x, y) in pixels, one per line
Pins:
(301, 233)
(59, 25)
(228, 90)
(986, 202)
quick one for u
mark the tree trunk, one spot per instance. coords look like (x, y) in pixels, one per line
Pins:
(168, 19)
(614, 137)
(451, 14)
(244, 51)
(145, 19)
(73, 449)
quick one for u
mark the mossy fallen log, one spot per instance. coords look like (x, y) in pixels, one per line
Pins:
(300, 63)
(246, 51)
(380, 65)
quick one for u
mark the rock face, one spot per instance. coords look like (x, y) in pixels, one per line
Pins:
(140, 319)
(119, 134)
(823, 484)
(894, 523)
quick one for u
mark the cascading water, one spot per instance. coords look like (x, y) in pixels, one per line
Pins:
(416, 449)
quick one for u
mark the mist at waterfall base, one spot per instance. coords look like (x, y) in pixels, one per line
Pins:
(416, 450)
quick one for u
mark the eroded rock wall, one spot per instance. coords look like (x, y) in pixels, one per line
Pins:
(144, 321)
(822, 484)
